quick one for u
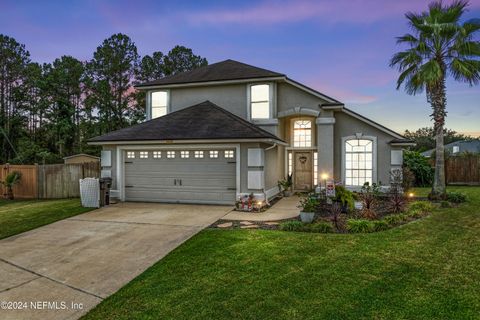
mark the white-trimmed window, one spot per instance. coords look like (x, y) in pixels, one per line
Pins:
(157, 154)
(170, 154)
(184, 154)
(260, 101)
(358, 162)
(229, 154)
(315, 168)
(302, 133)
(143, 154)
(455, 149)
(213, 154)
(131, 154)
(198, 154)
(159, 102)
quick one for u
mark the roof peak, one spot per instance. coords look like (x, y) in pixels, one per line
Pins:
(219, 71)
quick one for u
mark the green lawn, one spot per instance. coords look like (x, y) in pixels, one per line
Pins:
(20, 216)
(428, 269)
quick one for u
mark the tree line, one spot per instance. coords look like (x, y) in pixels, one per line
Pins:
(49, 111)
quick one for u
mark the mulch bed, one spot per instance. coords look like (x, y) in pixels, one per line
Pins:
(245, 224)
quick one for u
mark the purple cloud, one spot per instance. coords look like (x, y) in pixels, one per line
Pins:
(272, 12)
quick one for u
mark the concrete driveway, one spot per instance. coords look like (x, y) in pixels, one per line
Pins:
(62, 270)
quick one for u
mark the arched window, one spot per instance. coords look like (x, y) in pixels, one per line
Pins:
(302, 133)
(358, 162)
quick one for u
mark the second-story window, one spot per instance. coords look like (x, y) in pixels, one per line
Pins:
(159, 103)
(302, 133)
(260, 101)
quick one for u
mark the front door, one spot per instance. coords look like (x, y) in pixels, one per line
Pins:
(303, 170)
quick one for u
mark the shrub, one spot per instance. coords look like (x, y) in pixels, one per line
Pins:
(445, 204)
(293, 225)
(421, 206)
(369, 197)
(415, 214)
(456, 197)
(420, 167)
(321, 227)
(380, 225)
(394, 219)
(345, 197)
(359, 225)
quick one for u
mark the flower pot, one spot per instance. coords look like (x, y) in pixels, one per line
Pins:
(307, 217)
(287, 193)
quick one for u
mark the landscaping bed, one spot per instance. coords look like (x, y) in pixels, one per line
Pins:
(423, 270)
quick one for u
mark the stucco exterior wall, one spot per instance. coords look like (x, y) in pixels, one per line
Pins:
(233, 97)
(289, 97)
(346, 125)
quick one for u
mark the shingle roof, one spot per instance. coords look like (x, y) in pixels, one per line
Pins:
(205, 120)
(220, 71)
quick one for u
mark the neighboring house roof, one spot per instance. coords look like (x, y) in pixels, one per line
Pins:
(203, 121)
(220, 71)
(228, 70)
(472, 146)
(81, 155)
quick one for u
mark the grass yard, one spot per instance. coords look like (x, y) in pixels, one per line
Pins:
(20, 216)
(427, 269)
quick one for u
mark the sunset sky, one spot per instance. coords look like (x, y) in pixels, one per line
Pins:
(340, 48)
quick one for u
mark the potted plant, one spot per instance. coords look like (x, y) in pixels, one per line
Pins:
(285, 186)
(308, 206)
(11, 179)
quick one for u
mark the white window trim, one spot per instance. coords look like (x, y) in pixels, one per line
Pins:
(149, 102)
(121, 157)
(272, 102)
(312, 139)
(374, 156)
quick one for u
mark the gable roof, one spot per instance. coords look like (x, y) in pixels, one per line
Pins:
(203, 121)
(220, 71)
(81, 155)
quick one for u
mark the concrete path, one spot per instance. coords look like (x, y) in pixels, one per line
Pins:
(285, 208)
(62, 270)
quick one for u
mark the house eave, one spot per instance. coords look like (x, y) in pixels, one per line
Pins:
(208, 83)
(191, 141)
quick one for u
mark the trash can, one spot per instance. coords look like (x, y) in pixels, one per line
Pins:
(105, 185)
(89, 192)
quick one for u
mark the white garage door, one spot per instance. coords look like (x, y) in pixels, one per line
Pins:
(183, 176)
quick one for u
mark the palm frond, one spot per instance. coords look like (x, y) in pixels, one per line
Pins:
(407, 38)
(465, 70)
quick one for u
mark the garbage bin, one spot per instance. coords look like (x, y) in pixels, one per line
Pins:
(105, 185)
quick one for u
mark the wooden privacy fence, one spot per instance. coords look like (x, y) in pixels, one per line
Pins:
(50, 181)
(463, 170)
(28, 186)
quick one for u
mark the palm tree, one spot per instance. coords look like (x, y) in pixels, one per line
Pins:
(439, 46)
(11, 180)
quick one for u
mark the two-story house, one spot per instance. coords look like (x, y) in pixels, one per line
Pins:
(229, 129)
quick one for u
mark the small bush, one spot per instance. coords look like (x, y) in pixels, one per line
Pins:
(421, 206)
(321, 227)
(445, 204)
(293, 225)
(394, 219)
(359, 226)
(456, 197)
(415, 214)
(380, 225)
